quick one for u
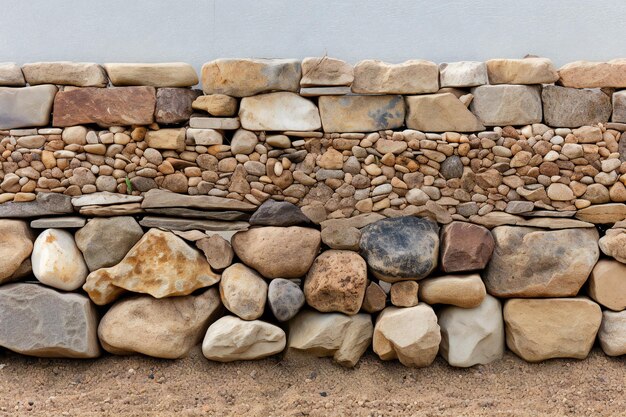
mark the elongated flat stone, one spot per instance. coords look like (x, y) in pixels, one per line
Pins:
(169, 74)
(45, 204)
(104, 198)
(105, 106)
(79, 74)
(361, 113)
(585, 74)
(68, 222)
(112, 210)
(26, 107)
(191, 224)
(161, 199)
(531, 70)
(228, 215)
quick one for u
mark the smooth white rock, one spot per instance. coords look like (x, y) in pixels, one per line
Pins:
(57, 261)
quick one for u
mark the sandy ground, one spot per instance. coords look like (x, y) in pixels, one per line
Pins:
(297, 386)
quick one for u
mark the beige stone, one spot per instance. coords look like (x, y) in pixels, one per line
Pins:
(465, 291)
(463, 74)
(16, 246)
(607, 284)
(361, 113)
(540, 329)
(521, 71)
(219, 105)
(603, 213)
(404, 293)
(166, 139)
(375, 298)
(585, 74)
(560, 192)
(279, 111)
(502, 105)
(612, 333)
(170, 74)
(243, 291)
(613, 244)
(325, 71)
(410, 77)
(11, 75)
(440, 113)
(80, 74)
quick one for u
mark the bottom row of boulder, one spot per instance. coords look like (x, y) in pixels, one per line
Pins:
(39, 321)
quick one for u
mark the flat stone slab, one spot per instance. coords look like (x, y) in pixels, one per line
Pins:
(324, 91)
(105, 198)
(39, 321)
(118, 106)
(169, 74)
(502, 105)
(26, 107)
(68, 222)
(170, 223)
(79, 74)
(161, 199)
(45, 204)
(603, 213)
(361, 113)
(278, 111)
(549, 213)
(498, 218)
(573, 107)
(112, 210)
(228, 215)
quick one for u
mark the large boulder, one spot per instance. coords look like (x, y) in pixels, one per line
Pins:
(573, 107)
(39, 321)
(542, 329)
(243, 291)
(278, 252)
(336, 282)
(160, 264)
(612, 333)
(285, 298)
(232, 339)
(465, 291)
(279, 111)
(105, 241)
(607, 284)
(57, 261)
(26, 106)
(410, 335)
(472, 336)
(401, 248)
(361, 113)
(530, 262)
(16, 245)
(465, 247)
(345, 338)
(585, 74)
(410, 77)
(440, 113)
(502, 105)
(166, 328)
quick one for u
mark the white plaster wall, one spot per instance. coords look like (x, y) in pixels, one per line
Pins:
(197, 31)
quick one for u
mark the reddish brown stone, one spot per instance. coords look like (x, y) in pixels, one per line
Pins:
(173, 105)
(465, 247)
(104, 106)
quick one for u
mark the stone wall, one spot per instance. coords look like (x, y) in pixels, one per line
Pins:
(417, 209)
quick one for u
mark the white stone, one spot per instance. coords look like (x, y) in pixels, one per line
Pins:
(463, 74)
(612, 333)
(279, 111)
(57, 261)
(243, 291)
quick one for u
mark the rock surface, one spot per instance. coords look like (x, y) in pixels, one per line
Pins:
(336, 281)
(57, 261)
(612, 333)
(585, 74)
(325, 71)
(11, 75)
(402, 248)
(465, 291)
(177, 270)
(232, 339)
(26, 106)
(361, 113)
(217, 250)
(613, 244)
(163, 199)
(169, 74)
(607, 284)
(463, 74)
(345, 338)
(502, 105)
(521, 71)
(79, 74)
(173, 105)
(278, 213)
(285, 298)
(537, 330)
(472, 336)
(16, 246)
(571, 107)
(105, 241)
(243, 291)
(410, 335)
(166, 328)
(375, 298)
(440, 113)
(39, 321)
(279, 111)
(404, 294)
(561, 261)
(45, 204)
(278, 252)
(465, 247)
(410, 77)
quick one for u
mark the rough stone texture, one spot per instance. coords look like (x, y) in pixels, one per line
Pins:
(402, 248)
(585, 74)
(68, 222)
(472, 336)
(404, 293)
(344, 238)
(361, 113)
(285, 298)
(104, 199)
(521, 71)
(217, 250)
(173, 105)
(104, 106)
(173, 139)
(336, 282)
(440, 113)
(613, 244)
(278, 252)
(105, 241)
(232, 339)
(345, 338)
(45, 204)
(80, 74)
(410, 77)
(173, 223)
(243, 291)
(166, 328)
(39, 321)
(465, 247)
(247, 77)
(607, 284)
(561, 261)
(177, 270)
(571, 107)
(463, 74)
(618, 102)
(375, 298)
(164, 199)
(219, 105)
(169, 74)
(278, 213)
(465, 291)
(279, 111)
(26, 106)
(612, 333)
(410, 335)
(325, 71)
(57, 261)
(537, 330)
(502, 105)
(11, 75)
(16, 245)
(603, 213)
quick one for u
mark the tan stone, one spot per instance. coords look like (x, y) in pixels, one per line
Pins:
(80, 74)
(542, 329)
(217, 250)
(466, 291)
(361, 113)
(375, 298)
(243, 291)
(404, 293)
(585, 74)
(613, 244)
(410, 77)
(607, 284)
(11, 75)
(325, 71)
(279, 111)
(166, 139)
(560, 192)
(219, 105)
(521, 71)
(603, 213)
(612, 333)
(440, 113)
(16, 245)
(170, 74)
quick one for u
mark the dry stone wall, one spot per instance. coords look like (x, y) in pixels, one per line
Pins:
(314, 207)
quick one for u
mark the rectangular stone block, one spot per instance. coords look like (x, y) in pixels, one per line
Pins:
(26, 107)
(79, 74)
(361, 113)
(168, 74)
(463, 74)
(166, 139)
(224, 123)
(619, 107)
(440, 113)
(585, 74)
(173, 105)
(410, 77)
(277, 112)
(325, 71)
(521, 71)
(118, 106)
(573, 107)
(11, 75)
(503, 105)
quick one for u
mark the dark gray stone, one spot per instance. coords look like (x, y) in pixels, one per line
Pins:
(67, 222)
(401, 248)
(200, 214)
(46, 204)
(451, 167)
(285, 298)
(173, 105)
(574, 107)
(278, 213)
(39, 321)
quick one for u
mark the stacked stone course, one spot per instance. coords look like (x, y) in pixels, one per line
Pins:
(314, 207)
